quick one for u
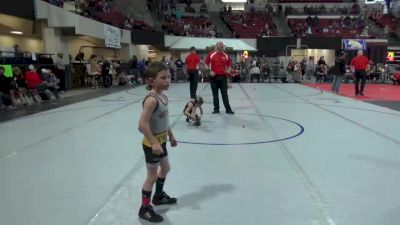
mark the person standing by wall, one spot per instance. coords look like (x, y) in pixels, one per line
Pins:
(133, 69)
(360, 64)
(192, 66)
(179, 69)
(60, 64)
(219, 64)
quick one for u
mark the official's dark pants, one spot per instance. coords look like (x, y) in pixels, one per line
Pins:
(336, 83)
(193, 79)
(360, 75)
(220, 82)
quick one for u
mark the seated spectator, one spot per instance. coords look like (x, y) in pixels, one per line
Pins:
(309, 31)
(395, 77)
(20, 87)
(51, 81)
(36, 83)
(309, 21)
(364, 33)
(315, 21)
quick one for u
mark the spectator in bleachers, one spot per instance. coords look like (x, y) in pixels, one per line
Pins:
(315, 21)
(347, 21)
(309, 21)
(386, 30)
(364, 33)
(103, 11)
(309, 31)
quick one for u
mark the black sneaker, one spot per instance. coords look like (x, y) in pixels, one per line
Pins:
(229, 112)
(215, 111)
(146, 212)
(187, 119)
(163, 199)
(362, 94)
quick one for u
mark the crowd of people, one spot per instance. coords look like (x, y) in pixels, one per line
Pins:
(27, 87)
(355, 27)
(322, 10)
(249, 24)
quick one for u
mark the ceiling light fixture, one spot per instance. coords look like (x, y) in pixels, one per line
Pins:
(16, 32)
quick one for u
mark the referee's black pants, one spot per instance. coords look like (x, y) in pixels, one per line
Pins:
(220, 82)
(193, 79)
(360, 75)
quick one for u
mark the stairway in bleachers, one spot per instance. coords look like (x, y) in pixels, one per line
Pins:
(135, 8)
(221, 26)
(282, 26)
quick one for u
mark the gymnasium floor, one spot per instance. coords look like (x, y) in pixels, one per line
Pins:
(291, 155)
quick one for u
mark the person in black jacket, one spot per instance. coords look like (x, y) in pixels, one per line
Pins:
(339, 71)
(106, 73)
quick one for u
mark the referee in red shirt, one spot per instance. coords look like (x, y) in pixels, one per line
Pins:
(192, 66)
(360, 64)
(220, 64)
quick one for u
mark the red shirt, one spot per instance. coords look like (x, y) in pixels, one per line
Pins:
(218, 61)
(33, 79)
(192, 60)
(360, 62)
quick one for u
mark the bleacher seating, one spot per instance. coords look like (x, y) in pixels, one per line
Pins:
(195, 26)
(111, 16)
(388, 20)
(253, 26)
(334, 28)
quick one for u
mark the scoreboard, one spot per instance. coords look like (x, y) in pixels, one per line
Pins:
(393, 56)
